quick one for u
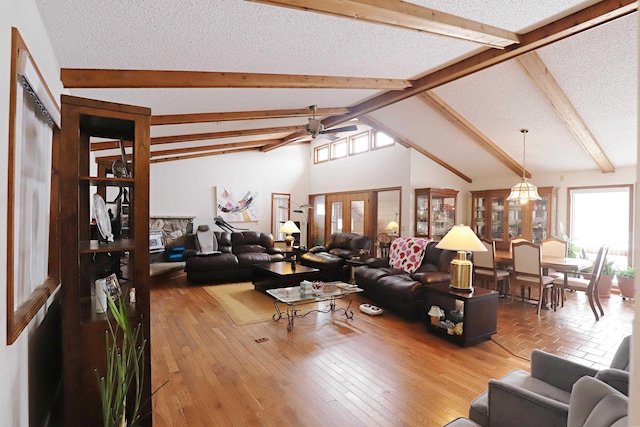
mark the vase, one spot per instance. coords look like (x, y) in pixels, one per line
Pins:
(626, 286)
(604, 286)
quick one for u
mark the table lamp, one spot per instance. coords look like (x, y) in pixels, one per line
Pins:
(289, 227)
(462, 239)
(393, 227)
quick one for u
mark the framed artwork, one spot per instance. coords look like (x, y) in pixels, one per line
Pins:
(238, 204)
(33, 267)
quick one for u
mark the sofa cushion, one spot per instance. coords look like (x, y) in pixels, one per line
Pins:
(242, 249)
(341, 252)
(400, 287)
(407, 253)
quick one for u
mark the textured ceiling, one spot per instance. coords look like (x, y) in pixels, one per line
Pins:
(597, 70)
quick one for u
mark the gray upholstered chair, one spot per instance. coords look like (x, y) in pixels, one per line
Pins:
(592, 404)
(595, 404)
(545, 392)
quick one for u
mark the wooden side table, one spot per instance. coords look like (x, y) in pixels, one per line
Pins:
(480, 308)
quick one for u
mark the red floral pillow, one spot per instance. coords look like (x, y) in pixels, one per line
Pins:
(406, 253)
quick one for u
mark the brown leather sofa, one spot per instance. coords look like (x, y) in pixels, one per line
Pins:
(330, 259)
(239, 251)
(399, 291)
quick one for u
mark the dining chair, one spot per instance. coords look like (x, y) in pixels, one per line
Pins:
(509, 267)
(556, 248)
(485, 269)
(588, 283)
(527, 271)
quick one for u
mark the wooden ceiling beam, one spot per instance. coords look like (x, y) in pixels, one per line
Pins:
(201, 150)
(405, 15)
(108, 145)
(547, 84)
(214, 147)
(456, 119)
(407, 143)
(193, 156)
(176, 119)
(582, 20)
(85, 78)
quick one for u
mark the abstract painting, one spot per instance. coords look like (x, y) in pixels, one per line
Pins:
(238, 204)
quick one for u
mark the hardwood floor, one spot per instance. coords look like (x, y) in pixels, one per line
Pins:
(332, 371)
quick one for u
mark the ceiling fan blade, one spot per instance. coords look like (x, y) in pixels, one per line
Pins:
(349, 128)
(325, 135)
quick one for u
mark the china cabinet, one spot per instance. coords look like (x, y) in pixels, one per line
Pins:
(435, 212)
(496, 218)
(84, 249)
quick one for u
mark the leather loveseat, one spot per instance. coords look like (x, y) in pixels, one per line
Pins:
(399, 291)
(239, 251)
(330, 259)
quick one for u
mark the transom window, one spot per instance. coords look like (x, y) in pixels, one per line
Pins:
(339, 149)
(352, 145)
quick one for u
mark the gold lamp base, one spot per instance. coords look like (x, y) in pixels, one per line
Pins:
(288, 240)
(461, 273)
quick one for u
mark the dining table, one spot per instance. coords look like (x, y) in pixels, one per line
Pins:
(565, 265)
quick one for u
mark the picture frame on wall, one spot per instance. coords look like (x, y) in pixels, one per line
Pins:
(238, 204)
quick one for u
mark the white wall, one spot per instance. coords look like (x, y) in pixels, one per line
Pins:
(186, 187)
(14, 359)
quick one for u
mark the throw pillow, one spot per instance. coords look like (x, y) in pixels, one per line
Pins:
(406, 253)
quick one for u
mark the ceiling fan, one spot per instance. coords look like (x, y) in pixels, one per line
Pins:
(315, 128)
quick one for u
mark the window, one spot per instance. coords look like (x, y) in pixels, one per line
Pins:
(359, 143)
(382, 140)
(339, 149)
(602, 216)
(321, 154)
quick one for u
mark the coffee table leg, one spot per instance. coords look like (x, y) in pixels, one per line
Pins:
(291, 314)
(278, 314)
(348, 313)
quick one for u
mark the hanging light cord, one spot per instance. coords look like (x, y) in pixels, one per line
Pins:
(524, 152)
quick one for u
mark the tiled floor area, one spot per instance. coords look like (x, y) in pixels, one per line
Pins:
(570, 332)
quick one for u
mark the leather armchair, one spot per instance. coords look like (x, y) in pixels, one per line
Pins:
(330, 258)
(545, 393)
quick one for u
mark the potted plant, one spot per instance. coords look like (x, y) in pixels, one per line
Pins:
(604, 286)
(626, 279)
(121, 387)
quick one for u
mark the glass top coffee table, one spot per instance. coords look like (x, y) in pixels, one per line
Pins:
(294, 297)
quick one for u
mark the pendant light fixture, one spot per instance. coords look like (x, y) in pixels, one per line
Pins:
(524, 191)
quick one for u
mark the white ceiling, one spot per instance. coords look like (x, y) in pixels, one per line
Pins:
(596, 69)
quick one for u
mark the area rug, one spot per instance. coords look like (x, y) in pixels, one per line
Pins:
(242, 302)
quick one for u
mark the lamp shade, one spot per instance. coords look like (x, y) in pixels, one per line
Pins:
(289, 227)
(461, 238)
(524, 191)
(392, 226)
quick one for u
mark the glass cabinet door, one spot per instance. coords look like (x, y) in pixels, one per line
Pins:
(497, 218)
(539, 219)
(422, 215)
(443, 214)
(515, 219)
(435, 212)
(480, 216)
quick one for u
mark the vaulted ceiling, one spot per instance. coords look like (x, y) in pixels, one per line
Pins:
(444, 78)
